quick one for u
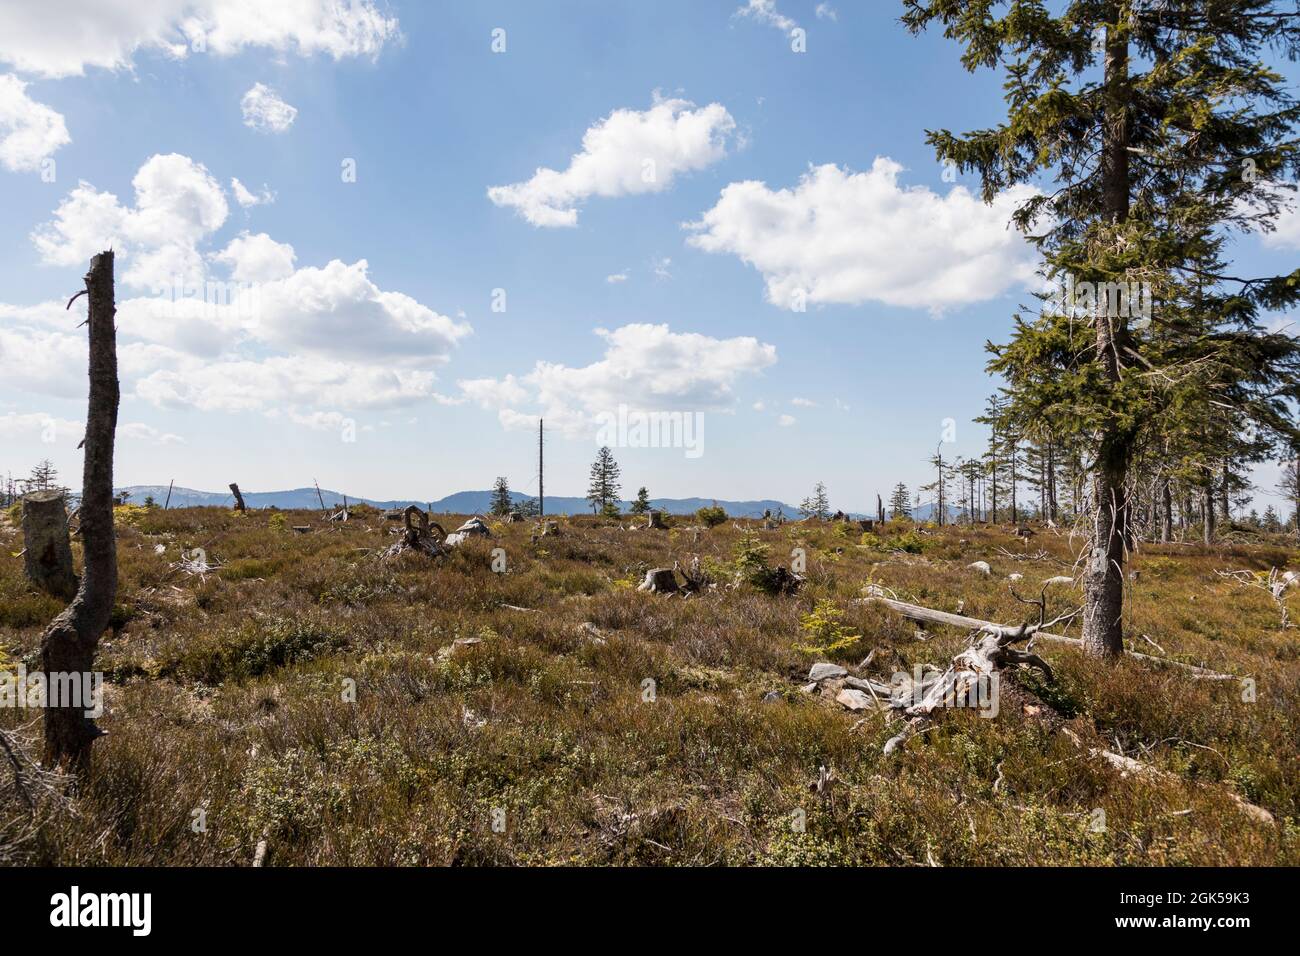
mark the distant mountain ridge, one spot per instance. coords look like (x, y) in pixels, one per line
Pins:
(461, 502)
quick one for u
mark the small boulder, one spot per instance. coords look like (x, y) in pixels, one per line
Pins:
(981, 566)
(854, 699)
(773, 697)
(1015, 576)
(824, 670)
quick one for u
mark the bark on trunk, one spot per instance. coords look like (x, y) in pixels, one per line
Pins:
(1207, 525)
(239, 499)
(69, 644)
(47, 555)
(1103, 631)
(1167, 524)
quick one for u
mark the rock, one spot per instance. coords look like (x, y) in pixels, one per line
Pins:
(981, 566)
(473, 528)
(809, 688)
(854, 699)
(1059, 579)
(857, 683)
(1015, 576)
(773, 697)
(659, 581)
(823, 670)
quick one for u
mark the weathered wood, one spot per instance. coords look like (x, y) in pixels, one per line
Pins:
(239, 499)
(69, 644)
(655, 519)
(1127, 766)
(659, 581)
(47, 555)
(931, 616)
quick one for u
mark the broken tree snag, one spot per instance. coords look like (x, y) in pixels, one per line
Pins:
(417, 536)
(239, 499)
(659, 581)
(655, 519)
(47, 557)
(68, 645)
(930, 616)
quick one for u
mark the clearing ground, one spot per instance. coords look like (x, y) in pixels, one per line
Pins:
(507, 718)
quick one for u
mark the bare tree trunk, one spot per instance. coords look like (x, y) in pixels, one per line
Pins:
(239, 499)
(1103, 628)
(1167, 524)
(47, 552)
(1207, 525)
(69, 644)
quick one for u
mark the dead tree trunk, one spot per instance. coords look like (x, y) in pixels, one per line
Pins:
(655, 519)
(69, 644)
(47, 557)
(239, 499)
(1167, 516)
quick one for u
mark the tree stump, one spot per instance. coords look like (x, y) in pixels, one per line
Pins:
(656, 520)
(48, 559)
(659, 581)
(239, 499)
(417, 537)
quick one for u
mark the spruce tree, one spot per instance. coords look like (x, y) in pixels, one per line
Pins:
(501, 504)
(603, 489)
(642, 503)
(1155, 130)
(900, 505)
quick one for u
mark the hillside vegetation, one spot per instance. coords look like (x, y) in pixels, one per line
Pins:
(507, 718)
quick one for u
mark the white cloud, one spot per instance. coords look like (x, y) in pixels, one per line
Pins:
(247, 198)
(785, 421)
(265, 112)
(765, 11)
(257, 258)
(138, 431)
(843, 237)
(15, 425)
(239, 385)
(616, 278)
(177, 204)
(1286, 234)
(66, 38)
(646, 367)
(803, 402)
(272, 336)
(662, 267)
(759, 406)
(626, 153)
(826, 12)
(30, 132)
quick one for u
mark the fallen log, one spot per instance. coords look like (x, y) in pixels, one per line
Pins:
(930, 616)
(1127, 766)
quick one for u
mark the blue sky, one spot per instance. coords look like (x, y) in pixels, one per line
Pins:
(904, 280)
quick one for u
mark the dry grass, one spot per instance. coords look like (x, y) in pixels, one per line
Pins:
(226, 696)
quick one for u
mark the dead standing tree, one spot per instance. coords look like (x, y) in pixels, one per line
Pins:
(68, 645)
